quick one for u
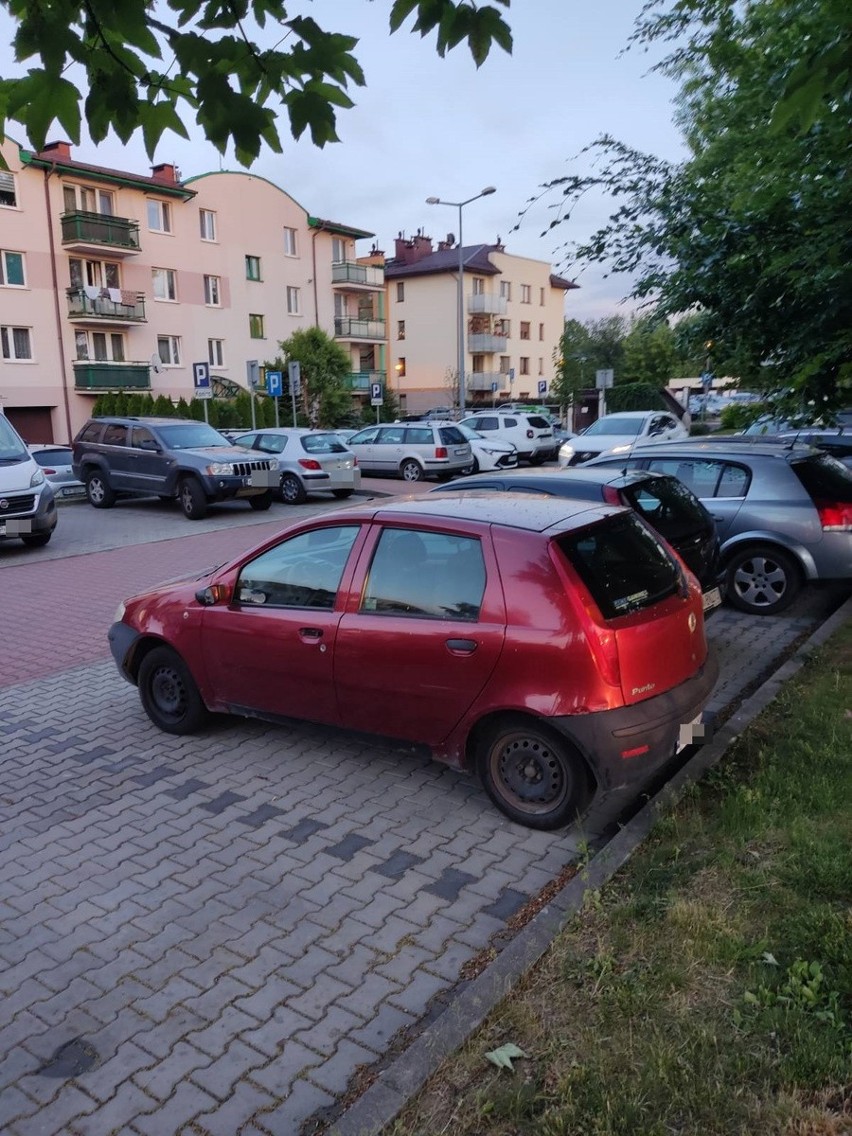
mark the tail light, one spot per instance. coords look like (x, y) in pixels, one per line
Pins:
(440, 451)
(309, 463)
(45, 470)
(611, 495)
(835, 516)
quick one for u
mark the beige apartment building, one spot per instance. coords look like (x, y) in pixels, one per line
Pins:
(514, 316)
(111, 280)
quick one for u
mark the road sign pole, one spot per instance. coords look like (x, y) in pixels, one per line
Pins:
(206, 419)
(276, 412)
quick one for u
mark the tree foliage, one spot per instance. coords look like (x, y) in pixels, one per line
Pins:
(147, 65)
(325, 398)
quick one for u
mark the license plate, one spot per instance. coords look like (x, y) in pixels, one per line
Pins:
(711, 599)
(2, 528)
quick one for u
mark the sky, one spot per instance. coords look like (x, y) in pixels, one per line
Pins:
(425, 126)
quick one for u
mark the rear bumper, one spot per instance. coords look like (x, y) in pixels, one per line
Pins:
(654, 729)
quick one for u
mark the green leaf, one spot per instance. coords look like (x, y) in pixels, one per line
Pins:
(504, 1055)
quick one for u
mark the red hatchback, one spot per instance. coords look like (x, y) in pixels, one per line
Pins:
(555, 646)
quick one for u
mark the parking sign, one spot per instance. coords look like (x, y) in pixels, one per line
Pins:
(542, 386)
(274, 383)
(376, 396)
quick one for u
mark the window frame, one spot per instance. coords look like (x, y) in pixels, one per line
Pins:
(8, 187)
(174, 350)
(291, 239)
(216, 357)
(294, 300)
(162, 213)
(170, 277)
(212, 293)
(256, 324)
(205, 213)
(4, 268)
(8, 350)
(253, 262)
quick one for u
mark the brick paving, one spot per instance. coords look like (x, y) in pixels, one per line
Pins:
(229, 925)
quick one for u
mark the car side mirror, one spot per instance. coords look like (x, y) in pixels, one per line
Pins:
(213, 594)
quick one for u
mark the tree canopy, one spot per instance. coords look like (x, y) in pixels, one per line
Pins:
(146, 66)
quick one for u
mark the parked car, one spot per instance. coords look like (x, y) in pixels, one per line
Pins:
(55, 462)
(413, 450)
(557, 647)
(309, 461)
(664, 502)
(617, 433)
(489, 453)
(27, 505)
(530, 434)
(834, 440)
(169, 458)
(783, 513)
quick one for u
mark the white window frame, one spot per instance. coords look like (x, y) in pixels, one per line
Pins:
(86, 349)
(291, 243)
(100, 197)
(524, 365)
(159, 216)
(4, 268)
(294, 300)
(8, 186)
(172, 355)
(213, 291)
(400, 329)
(506, 289)
(339, 248)
(170, 277)
(479, 285)
(7, 341)
(400, 291)
(207, 231)
(216, 352)
(526, 294)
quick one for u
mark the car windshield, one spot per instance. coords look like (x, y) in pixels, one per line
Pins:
(191, 436)
(322, 444)
(629, 427)
(12, 449)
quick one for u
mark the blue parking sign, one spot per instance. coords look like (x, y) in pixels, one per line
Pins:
(274, 384)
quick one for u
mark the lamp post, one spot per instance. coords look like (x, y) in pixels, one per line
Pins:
(460, 205)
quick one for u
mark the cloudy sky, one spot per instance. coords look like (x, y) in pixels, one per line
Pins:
(426, 126)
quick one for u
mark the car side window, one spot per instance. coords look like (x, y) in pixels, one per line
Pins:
(425, 574)
(114, 435)
(701, 475)
(485, 423)
(418, 436)
(91, 432)
(142, 439)
(392, 436)
(304, 571)
(271, 443)
(510, 422)
(733, 482)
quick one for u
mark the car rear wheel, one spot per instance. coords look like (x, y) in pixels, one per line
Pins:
(99, 492)
(537, 459)
(762, 580)
(36, 540)
(292, 490)
(531, 774)
(261, 502)
(411, 470)
(193, 499)
(168, 692)
(342, 494)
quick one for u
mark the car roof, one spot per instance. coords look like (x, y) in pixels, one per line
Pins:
(739, 445)
(132, 420)
(289, 431)
(514, 510)
(576, 475)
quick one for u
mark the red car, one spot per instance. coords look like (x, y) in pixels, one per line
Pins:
(555, 646)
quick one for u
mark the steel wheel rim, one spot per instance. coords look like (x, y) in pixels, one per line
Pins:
(529, 773)
(760, 581)
(168, 693)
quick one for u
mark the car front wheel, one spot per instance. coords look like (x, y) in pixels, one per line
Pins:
(762, 580)
(36, 540)
(531, 774)
(168, 692)
(192, 499)
(292, 490)
(261, 502)
(411, 470)
(99, 492)
(342, 494)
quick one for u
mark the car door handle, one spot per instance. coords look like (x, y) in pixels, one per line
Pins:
(310, 632)
(462, 646)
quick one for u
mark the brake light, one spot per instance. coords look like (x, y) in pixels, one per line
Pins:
(309, 463)
(835, 516)
(611, 495)
(440, 451)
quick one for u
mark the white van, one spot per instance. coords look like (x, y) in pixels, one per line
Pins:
(27, 507)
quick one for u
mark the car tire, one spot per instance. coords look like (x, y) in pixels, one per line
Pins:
(537, 459)
(193, 499)
(410, 470)
(292, 490)
(168, 692)
(261, 502)
(342, 494)
(762, 580)
(37, 540)
(99, 492)
(532, 775)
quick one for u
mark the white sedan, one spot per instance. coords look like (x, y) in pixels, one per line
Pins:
(619, 433)
(489, 453)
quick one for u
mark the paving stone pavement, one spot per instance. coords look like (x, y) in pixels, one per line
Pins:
(221, 930)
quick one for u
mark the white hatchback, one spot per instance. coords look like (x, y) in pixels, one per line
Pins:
(619, 433)
(530, 434)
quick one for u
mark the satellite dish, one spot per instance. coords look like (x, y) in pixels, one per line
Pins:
(156, 363)
(451, 238)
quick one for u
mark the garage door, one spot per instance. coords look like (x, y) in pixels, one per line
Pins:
(33, 423)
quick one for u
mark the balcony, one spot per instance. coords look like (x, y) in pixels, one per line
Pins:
(482, 303)
(103, 375)
(106, 305)
(347, 274)
(362, 380)
(483, 380)
(347, 328)
(486, 344)
(94, 232)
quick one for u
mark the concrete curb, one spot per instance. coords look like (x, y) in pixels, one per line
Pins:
(385, 1098)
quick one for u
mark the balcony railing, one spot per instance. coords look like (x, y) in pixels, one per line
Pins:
(362, 380)
(110, 305)
(483, 380)
(101, 376)
(346, 328)
(486, 344)
(117, 233)
(485, 304)
(367, 275)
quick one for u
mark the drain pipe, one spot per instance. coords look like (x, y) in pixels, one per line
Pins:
(56, 308)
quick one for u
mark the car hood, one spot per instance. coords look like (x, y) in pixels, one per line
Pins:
(224, 453)
(604, 444)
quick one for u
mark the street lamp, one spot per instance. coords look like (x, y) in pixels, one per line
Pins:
(460, 205)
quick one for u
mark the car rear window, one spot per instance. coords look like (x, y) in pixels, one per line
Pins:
(623, 565)
(824, 478)
(452, 436)
(668, 506)
(52, 457)
(322, 444)
(539, 422)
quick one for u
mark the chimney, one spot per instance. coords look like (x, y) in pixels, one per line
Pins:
(57, 151)
(414, 250)
(165, 171)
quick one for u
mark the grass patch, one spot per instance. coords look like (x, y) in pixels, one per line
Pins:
(707, 989)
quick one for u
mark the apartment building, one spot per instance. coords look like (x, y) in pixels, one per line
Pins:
(111, 280)
(514, 315)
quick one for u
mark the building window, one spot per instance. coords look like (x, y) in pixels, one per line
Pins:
(541, 296)
(504, 327)
(294, 301)
(400, 367)
(216, 352)
(253, 268)
(525, 329)
(290, 248)
(164, 282)
(211, 291)
(93, 275)
(79, 198)
(207, 224)
(478, 286)
(505, 364)
(15, 342)
(99, 346)
(477, 364)
(541, 366)
(256, 326)
(338, 250)
(8, 196)
(168, 348)
(541, 331)
(526, 294)
(12, 269)
(400, 291)
(506, 289)
(525, 365)
(400, 329)
(159, 216)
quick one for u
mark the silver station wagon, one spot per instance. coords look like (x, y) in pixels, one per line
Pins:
(412, 451)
